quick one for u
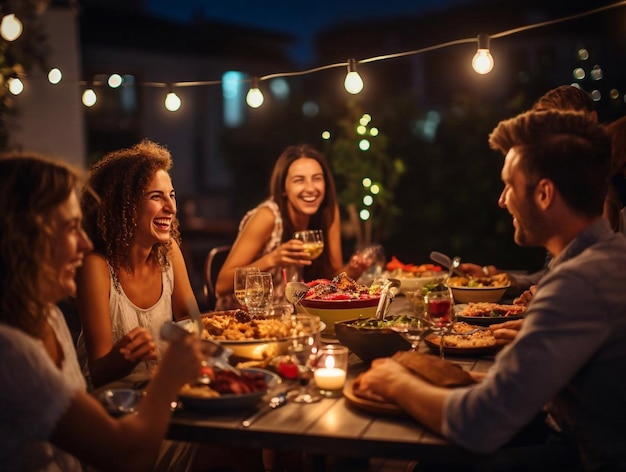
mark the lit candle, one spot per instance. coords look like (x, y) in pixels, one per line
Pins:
(330, 377)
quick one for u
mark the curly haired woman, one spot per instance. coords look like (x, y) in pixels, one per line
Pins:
(136, 278)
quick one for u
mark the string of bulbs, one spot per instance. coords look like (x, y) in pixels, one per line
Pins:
(11, 28)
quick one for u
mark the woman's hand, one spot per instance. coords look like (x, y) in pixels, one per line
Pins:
(137, 346)
(291, 253)
(526, 296)
(507, 331)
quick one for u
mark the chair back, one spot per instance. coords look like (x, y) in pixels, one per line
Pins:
(212, 265)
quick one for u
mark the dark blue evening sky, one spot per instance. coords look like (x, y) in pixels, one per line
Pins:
(299, 18)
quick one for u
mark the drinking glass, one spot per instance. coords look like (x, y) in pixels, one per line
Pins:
(411, 331)
(438, 309)
(240, 283)
(313, 241)
(259, 293)
(303, 351)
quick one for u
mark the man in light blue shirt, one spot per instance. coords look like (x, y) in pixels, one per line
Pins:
(570, 355)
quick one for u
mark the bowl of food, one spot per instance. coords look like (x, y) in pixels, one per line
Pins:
(339, 299)
(370, 338)
(478, 289)
(413, 277)
(254, 341)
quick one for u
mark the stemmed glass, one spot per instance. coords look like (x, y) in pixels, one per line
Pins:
(313, 241)
(412, 331)
(312, 244)
(240, 283)
(303, 350)
(259, 293)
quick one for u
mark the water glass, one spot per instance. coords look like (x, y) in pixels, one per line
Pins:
(259, 293)
(240, 283)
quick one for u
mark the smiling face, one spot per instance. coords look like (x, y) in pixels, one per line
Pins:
(69, 246)
(528, 220)
(156, 211)
(305, 187)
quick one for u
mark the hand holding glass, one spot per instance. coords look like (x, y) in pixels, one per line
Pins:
(313, 242)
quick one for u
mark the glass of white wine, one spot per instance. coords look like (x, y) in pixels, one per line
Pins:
(313, 241)
(240, 283)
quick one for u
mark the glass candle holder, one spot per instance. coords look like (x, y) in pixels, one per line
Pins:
(331, 369)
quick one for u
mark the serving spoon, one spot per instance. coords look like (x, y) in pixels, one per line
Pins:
(295, 293)
(451, 264)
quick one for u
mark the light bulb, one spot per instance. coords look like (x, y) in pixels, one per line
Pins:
(353, 82)
(89, 97)
(55, 76)
(115, 80)
(254, 98)
(11, 27)
(172, 101)
(15, 86)
(483, 61)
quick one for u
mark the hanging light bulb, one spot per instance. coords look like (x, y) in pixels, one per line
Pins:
(483, 61)
(89, 97)
(353, 82)
(11, 27)
(16, 86)
(55, 76)
(254, 98)
(172, 101)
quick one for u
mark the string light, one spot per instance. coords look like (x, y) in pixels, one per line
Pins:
(11, 27)
(353, 82)
(254, 98)
(55, 76)
(16, 86)
(483, 61)
(172, 101)
(89, 96)
(115, 80)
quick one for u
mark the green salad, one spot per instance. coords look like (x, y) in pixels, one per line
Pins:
(388, 322)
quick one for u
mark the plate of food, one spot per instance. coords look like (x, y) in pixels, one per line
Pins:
(227, 391)
(463, 339)
(487, 313)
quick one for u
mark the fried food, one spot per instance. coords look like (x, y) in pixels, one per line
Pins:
(463, 337)
(487, 309)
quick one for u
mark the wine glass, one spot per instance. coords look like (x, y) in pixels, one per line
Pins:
(313, 241)
(411, 329)
(259, 293)
(303, 351)
(240, 283)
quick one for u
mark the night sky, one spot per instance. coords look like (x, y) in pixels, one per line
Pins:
(301, 19)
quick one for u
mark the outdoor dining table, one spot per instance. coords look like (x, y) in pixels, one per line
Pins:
(332, 426)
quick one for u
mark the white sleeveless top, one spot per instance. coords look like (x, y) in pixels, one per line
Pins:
(125, 316)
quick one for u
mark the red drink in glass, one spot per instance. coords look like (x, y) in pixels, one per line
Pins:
(438, 308)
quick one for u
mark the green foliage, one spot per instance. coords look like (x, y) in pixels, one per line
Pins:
(350, 165)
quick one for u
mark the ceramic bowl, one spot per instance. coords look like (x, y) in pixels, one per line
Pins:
(370, 343)
(478, 294)
(331, 311)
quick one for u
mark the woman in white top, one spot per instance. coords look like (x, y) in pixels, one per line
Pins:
(136, 278)
(48, 421)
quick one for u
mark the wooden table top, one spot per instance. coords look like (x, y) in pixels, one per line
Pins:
(331, 426)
